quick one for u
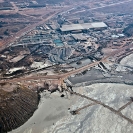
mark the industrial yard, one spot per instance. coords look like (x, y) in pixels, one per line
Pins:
(66, 65)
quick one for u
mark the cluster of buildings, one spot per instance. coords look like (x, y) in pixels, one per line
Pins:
(81, 37)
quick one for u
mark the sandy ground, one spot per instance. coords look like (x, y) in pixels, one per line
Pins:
(97, 118)
(127, 61)
(53, 116)
(50, 110)
(15, 69)
(38, 65)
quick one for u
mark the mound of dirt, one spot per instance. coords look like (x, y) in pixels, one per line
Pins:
(16, 107)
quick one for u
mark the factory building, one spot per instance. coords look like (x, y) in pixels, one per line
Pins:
(84, 26)
(79, 37)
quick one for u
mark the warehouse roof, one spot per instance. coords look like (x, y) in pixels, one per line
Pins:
(79, 37)
(83, 26)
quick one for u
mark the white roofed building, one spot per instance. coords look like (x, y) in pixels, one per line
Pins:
(74, 27)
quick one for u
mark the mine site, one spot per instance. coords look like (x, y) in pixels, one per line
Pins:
(66, 66)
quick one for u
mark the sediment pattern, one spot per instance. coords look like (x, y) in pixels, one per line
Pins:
(101, 108)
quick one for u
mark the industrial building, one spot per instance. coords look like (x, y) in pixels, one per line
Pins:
(79, 37)
(84, 26)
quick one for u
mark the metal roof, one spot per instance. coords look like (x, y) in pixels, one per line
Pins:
(79, 36)
(83, 26)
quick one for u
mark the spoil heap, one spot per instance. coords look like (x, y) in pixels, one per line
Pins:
(16, 107)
